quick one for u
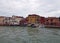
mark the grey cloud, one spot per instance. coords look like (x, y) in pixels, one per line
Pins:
(24, 7)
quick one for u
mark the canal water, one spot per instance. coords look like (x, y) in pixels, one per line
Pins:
(16, 34)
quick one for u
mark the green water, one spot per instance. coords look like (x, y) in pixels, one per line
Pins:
(13, 34)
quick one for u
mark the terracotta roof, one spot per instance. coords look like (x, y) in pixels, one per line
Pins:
(33, 15)
(52, 18)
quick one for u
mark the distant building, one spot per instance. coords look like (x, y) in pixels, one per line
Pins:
(33, 18)
(42, 20)
(8, 21)
(23, 22)
(16, 19)
(2, 20)
(52, 21)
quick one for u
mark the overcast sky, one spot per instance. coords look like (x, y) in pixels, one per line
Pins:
(25, 7)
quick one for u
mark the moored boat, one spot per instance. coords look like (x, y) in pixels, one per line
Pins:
(33, 25)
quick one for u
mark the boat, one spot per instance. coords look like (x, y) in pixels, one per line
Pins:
(33, 25)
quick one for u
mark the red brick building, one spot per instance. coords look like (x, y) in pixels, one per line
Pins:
(23, 22)
(42, 20)
(52, 21)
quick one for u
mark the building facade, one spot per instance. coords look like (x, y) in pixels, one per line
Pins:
(42, 20)
(8, 21)
(33, 19)
(52, 21)
(2, 20)
(23, 22)
(16, 20)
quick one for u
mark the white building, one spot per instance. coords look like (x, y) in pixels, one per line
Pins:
(14, 20)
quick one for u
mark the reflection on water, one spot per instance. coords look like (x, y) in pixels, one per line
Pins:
(16, 34)
(32, 31)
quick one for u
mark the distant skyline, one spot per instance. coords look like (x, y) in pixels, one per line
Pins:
(44, 8)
